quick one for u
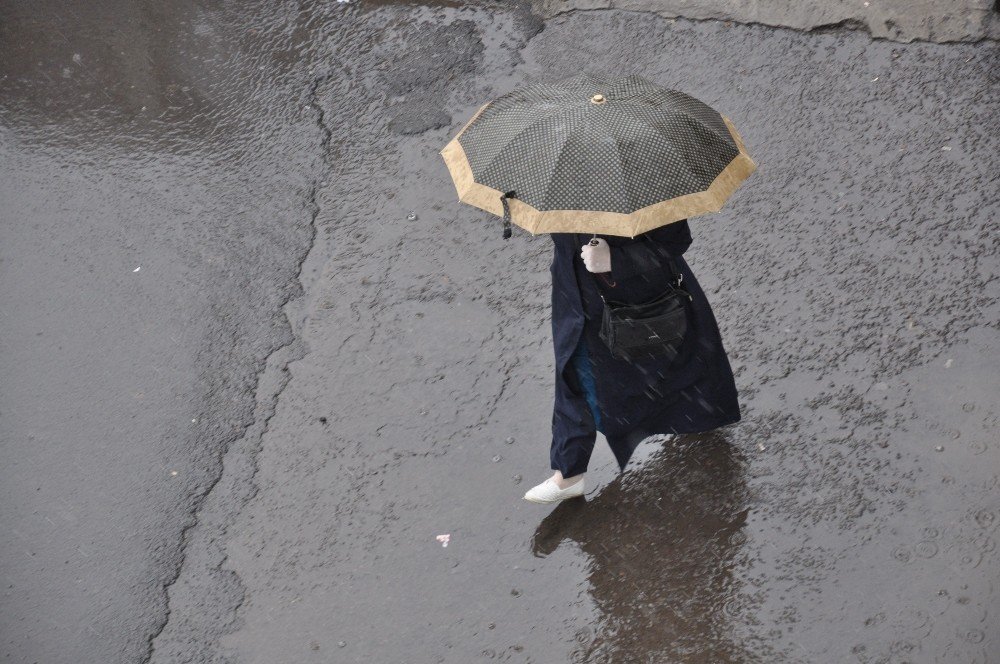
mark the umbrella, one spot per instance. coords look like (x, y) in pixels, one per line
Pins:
(596, 154)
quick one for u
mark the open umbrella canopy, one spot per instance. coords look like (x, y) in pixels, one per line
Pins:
(593, 154)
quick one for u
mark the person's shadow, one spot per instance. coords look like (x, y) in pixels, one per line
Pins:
(662, 541)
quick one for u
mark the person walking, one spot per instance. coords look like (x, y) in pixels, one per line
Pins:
(612, 168)
(627, 401)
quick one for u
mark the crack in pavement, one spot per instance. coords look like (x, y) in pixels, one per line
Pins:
(272, 379)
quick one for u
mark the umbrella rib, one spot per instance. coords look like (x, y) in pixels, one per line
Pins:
(621, 164)
(625, 108)
(679, 153)
(484, 166)
(552, 173)
(555, 167)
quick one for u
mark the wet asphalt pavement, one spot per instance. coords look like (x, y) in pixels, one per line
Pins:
(244, 450)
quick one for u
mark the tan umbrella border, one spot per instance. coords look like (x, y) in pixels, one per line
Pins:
(588, 221)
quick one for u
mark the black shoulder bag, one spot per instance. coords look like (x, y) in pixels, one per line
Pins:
(651, 329)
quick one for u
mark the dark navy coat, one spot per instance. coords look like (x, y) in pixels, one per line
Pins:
(693, 393)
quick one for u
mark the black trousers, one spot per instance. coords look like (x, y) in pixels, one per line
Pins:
(570, 455)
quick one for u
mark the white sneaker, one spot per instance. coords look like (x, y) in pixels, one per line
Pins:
(549, 492)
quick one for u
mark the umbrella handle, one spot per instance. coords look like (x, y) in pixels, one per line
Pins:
(593, 242)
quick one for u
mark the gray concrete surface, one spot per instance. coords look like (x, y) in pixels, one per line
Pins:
(898, 20)
(363, 382)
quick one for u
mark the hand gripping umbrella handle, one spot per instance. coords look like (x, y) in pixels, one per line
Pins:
(506, 212)
(593, 242)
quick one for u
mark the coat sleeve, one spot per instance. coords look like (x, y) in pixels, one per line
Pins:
(649, 252)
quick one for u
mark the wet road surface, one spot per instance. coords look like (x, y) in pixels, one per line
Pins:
(156, 172)
(404, 391)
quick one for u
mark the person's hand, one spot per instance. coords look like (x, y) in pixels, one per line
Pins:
(596, 257)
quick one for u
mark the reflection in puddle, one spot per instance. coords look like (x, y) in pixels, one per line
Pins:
(662, 543)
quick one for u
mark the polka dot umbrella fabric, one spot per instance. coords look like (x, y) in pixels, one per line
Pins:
(595, 153)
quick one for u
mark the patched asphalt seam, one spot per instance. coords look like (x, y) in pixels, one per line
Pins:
(846, 26)
(273, 399)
